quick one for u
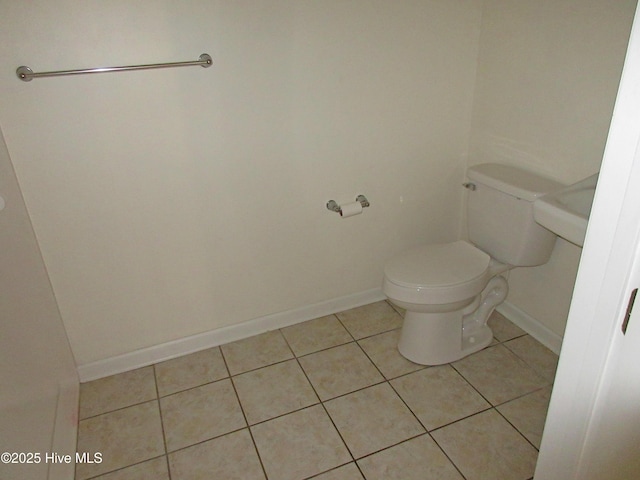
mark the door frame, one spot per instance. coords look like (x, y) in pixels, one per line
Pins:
(602, 286)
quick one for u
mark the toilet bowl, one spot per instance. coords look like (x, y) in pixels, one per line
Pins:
(449, 290)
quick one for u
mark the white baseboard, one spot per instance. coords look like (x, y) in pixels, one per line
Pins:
(213, 338)
(65, 431)
(533, 327)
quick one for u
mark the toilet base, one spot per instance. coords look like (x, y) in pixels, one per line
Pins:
(436, 338)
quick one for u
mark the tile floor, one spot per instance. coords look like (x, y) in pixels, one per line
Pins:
(329, 399)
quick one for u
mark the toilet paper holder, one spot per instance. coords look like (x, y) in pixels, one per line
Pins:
(334, 207)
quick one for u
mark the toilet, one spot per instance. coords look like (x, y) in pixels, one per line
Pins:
(449, 290)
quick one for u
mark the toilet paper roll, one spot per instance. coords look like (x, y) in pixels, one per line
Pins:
(351, 209)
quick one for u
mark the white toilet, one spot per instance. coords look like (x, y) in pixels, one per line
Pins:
(450, 289)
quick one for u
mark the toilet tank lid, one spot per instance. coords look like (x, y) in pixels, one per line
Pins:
(512, 180)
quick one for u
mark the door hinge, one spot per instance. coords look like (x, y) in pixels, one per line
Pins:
(627, 315)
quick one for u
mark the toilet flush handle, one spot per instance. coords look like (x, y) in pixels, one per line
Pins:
(469, 186)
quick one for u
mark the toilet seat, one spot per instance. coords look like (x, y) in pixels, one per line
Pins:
(437, 273)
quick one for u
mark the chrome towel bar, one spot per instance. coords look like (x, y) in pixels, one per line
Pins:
(26, 74)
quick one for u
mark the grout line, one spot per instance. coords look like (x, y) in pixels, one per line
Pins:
(446, 455)
(394, 445)
(407, 405)
(517, 430)
(155, 384)
(316, 475)
(427, 432)
(194, 387)
(200, 442)
(248, 427)
(359, 469)
(539, 371)
(469, 383)
(466, 417)
(521, 396)
(130, 465)
(485, 398)
(166, 459)
(322, 402)
(164, 436)
(396, 309)
(345, 327)
(137, 404)
(387, 381)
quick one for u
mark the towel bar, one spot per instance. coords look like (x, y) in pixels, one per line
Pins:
(26, 74)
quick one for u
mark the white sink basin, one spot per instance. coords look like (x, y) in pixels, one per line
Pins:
(566, 212)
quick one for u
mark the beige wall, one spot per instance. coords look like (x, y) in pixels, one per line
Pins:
(38, 379)
(172, 202)
(36, 356)
(548, 74)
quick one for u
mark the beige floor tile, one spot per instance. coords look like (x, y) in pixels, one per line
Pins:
(255, 352)
(190, 371)
(230, 457)
(123, 437)
(155, 469)
(340, 370)
(117, 391)
(537, 356)
(206, 432)
(346, 472)
(486, 447)
(299, 445)
(502, 328)
(438, 396)
(382, 349)
(315, 335)
(416, 459)
(499, 375)
(372, 419)
(273, 391)
(370, 319)
(398, 309)
(200, 414)
(528, 414)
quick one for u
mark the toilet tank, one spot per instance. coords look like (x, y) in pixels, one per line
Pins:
(500, 214)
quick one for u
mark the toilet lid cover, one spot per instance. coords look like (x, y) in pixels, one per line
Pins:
(443, 264)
